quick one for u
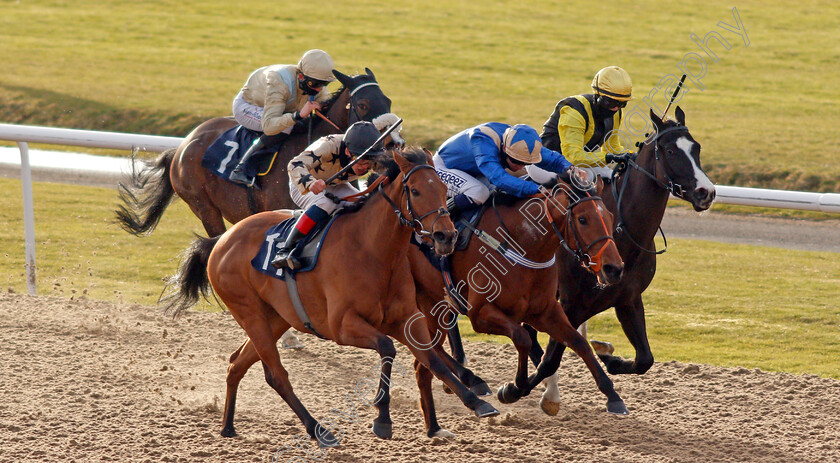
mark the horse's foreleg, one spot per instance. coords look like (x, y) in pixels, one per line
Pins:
(550, 401)
(632, 318)
(464, 374)
(355, 331)
(555, 323)
(491, 320)
(414, 334)
(455, 343)
(427, 402)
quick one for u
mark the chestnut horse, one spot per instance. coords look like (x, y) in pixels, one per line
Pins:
(502, 294)
(667, 163)
(213, 199)
(350, 310)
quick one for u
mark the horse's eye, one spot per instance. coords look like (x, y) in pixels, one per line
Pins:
(670, 152)
(582, 220)
(363, 107)
(414, 192)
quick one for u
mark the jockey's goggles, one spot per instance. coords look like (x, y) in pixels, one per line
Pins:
(314, 84)
(608, 102)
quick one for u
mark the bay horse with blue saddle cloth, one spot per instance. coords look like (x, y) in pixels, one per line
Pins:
(363, 312)
(212, 198)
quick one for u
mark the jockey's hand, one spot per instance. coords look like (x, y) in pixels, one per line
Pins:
(308, 107)
(581, 174)
(618, 157)
(319, 186)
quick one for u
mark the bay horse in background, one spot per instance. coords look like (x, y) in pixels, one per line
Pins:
(149, 190)
(503, 288)
(667, 163)
(364, 312)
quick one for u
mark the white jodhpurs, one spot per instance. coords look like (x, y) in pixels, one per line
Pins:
(459, 182)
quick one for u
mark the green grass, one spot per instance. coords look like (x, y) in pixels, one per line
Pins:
(722, 304)
(767, 116)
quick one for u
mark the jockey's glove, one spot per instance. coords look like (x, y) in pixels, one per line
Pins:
(619, 157)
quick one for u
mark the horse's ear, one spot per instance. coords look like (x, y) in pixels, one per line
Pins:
(429, 158)
(343, 78)
(680, 115)
(370, 73)
(656, 120)
(599, 184)
(402, 162)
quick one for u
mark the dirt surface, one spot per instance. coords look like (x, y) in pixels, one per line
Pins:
(94, 381)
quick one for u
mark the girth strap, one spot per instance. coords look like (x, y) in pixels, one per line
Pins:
(294, 295)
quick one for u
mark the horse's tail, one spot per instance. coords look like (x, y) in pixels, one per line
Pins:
(146, 195)
(191, 281)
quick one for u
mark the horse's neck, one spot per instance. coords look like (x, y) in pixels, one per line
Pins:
(644, 200)
(536, 238)
(377, 229)
(337, 112)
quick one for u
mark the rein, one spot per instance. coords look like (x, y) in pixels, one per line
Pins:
(671, 187)
(353, 109)
(413, 221)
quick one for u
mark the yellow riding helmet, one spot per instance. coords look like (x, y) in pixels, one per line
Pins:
(317, 64)
(614, 82)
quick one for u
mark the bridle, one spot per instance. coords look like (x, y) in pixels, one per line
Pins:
(413, 221)
(590, 262)
(668, 185)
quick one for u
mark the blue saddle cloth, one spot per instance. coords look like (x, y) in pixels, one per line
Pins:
(277, 234)
(223, 155)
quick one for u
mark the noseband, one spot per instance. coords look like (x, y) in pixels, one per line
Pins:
(673, 188)
(590, 262)
(413, 221)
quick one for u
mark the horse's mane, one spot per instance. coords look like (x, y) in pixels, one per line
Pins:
(384, 165)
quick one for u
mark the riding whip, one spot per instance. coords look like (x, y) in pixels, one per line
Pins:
(359, 158)
(676, 90)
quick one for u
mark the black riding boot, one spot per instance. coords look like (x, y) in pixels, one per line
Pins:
(245, 171)
(312, 218)
(459, 204)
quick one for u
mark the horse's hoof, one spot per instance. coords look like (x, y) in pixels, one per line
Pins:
(602, 347)
(508, 394)
(229, 432)
(325, 438)
(481, 389)
(443, 434)
(550, 407)
(382, 430)
(483, 410)
(290, 341)
(617, 407)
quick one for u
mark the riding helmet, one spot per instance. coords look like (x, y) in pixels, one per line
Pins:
(613, 82)
(522, 143)
(317, 64)
(360, 136)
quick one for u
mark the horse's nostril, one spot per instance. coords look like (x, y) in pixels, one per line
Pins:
(439, 236)
(613, 272)
(701, 193)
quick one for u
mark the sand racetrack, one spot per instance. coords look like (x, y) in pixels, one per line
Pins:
(88, 380)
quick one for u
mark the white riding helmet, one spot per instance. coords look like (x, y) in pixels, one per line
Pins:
(317, 64)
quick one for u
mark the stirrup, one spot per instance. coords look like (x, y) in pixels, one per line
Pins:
(237, 176)
(286, 259)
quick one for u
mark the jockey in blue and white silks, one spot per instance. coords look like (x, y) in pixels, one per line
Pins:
(486, 155)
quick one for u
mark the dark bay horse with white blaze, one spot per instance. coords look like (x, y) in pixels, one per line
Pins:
(667, 163)
(364, 311)
(501, 294)
(211, 198)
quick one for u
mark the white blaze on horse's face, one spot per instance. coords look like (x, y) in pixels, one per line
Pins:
(702, 181)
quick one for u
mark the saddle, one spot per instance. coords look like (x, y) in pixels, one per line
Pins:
(307, 249)
(224, 153)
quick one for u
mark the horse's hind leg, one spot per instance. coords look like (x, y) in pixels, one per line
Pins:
(240, 361)
(258, 328)
(470, 379)
(210, 215)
